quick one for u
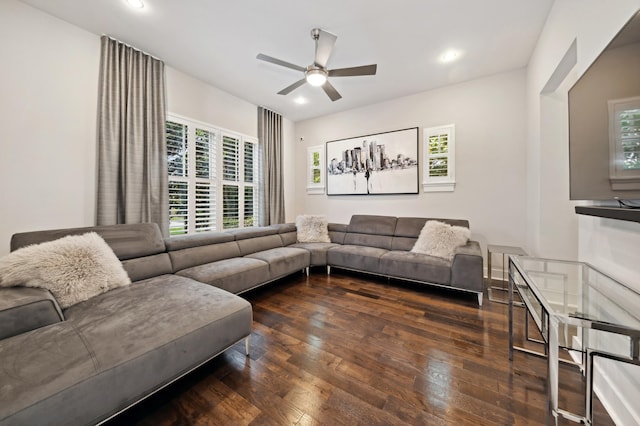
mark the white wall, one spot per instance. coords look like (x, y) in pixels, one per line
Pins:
(48, 98)
(192, 98)
(609, 245)
(489, 115)
(48, 109)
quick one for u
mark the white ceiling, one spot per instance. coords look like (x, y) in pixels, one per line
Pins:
(217, 41)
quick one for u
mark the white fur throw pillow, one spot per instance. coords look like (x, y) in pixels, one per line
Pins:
(74, 268)
(440, 239)
(312, 229)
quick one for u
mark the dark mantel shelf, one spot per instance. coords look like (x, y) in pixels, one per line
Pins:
(632, 215)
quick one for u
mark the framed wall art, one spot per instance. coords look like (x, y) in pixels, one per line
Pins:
(381, 163)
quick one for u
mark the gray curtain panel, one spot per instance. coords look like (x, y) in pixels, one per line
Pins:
(132, 159)
(270, 136)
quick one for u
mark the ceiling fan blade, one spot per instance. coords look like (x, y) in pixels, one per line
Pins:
(354, 71)
(324, 45)
(331, 91)
(293, 87)
(280, 62)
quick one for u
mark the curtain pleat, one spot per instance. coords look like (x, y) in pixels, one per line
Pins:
(132, 167)
(270, 136)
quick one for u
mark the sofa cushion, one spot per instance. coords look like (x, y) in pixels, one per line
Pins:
(337, 232)
(360, 258)
(287, 232)
(140, 246)
(412, 226)
(318, 252)
(409, 226)
(283, 260)
(440, 239)
(256, 244)
(403, 243)
(369, 240)
(235, 275)
(312, 229)
(289, 238)
(284, 228)
(372, 224)
(145, 267)
(180, 242)
(126, 240)
(252, 232)
(103, 362)
(73, 268)
(194, 256)
(415, 266)
(408, 229)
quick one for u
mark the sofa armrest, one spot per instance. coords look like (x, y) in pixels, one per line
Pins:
(24, 309)
(466, 267)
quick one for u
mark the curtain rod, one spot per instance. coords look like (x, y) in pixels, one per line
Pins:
(132, 47)
(271, 109)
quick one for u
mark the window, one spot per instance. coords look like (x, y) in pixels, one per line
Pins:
(199, 198)
(624, 143)
(315, 170)
(251, 176)
(438, 150)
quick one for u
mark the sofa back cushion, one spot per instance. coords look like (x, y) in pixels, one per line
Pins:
(408, 229)
(287, 232)
(371, 231)
(199, 255)
(337, 231)
(140, 247)
(371, 224)
(180, 242)
(126, 241)
(253, 245)
(252, 232)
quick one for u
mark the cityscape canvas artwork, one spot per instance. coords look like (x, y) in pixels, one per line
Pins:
(382, 163)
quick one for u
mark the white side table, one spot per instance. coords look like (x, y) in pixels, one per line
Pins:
(504, 250)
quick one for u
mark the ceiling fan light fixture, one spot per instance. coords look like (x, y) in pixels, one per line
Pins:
(135, 3)
(449, 56)
(316, 77)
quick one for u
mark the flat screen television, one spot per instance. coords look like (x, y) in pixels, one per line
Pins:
(604, 122)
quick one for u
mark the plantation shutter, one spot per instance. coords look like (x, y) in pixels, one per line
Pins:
(231, 175)
(205, 184)
(177, 165)
(230, 207)
(214, 177)
(230, 158)
(438, 148)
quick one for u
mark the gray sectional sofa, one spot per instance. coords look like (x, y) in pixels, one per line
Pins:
(85, 364)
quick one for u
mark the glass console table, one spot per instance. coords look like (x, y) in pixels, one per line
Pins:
(579, 308)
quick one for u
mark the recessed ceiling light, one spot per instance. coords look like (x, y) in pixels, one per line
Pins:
(135, 3)
(300, 100)
(449, 56)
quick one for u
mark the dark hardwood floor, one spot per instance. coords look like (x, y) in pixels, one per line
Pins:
(356, 349)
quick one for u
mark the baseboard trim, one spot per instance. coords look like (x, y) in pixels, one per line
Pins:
(614, 401)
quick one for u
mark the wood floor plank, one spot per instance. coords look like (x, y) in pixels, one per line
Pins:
(351, 349)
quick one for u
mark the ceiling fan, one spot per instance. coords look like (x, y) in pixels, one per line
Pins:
(317, 73)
